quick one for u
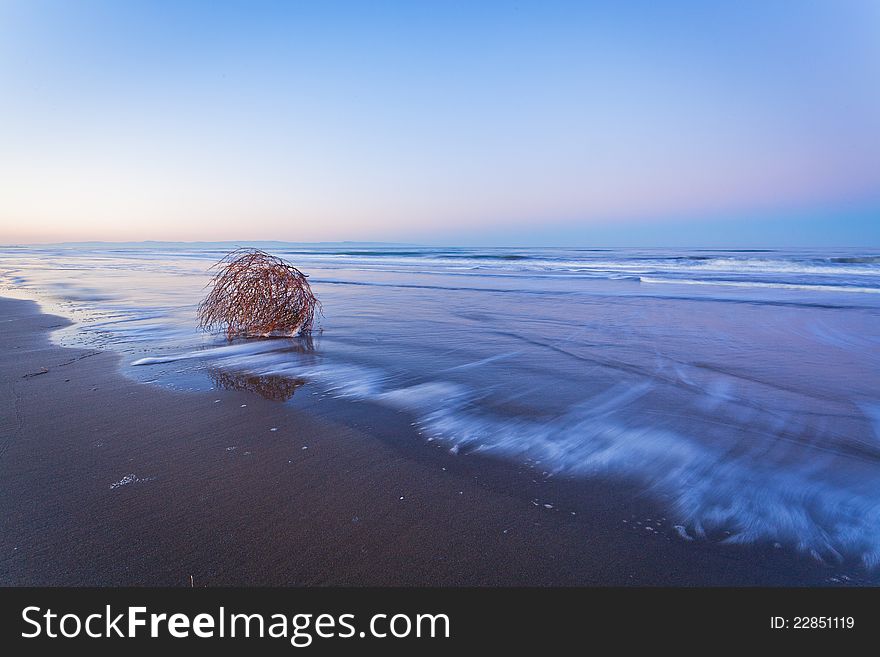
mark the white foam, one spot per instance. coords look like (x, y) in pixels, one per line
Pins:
(425, 395)
(214, 353)
(758, 284)
(807, 505)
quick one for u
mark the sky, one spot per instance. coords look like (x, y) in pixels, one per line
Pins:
(546, 123)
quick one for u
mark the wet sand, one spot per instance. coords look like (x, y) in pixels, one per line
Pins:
(106, 481)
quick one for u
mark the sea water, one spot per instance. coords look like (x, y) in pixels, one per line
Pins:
(739, 388)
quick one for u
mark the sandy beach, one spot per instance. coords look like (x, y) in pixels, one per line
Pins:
(107, 481)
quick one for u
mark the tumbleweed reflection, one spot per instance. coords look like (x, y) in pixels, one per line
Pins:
(269, 386)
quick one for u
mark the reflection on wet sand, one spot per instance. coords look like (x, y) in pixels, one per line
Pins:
(268, 386)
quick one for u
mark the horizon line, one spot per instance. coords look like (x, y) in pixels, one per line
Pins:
(422, 245)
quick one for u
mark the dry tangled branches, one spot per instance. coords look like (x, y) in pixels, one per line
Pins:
(257, 294)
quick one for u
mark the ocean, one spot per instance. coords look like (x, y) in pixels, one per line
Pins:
(739, 389)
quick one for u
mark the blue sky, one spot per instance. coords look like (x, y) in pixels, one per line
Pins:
(492, 123)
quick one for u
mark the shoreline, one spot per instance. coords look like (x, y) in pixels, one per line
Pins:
(108, 481)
